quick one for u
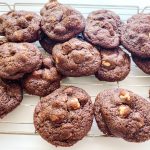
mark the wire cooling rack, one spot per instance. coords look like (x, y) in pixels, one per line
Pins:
(20, 121)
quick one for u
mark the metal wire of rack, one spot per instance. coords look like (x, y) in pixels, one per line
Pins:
(137, 81)
(146, 9)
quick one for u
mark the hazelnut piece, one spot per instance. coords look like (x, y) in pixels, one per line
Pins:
(124, 111)
(52, 18)
(124, 96)
(73, 103)
(57, 60)
(58, 116)
(29, 17)
(54, 118)
(106, 63)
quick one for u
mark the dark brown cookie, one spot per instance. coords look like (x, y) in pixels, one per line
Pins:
(43, 81)
(21, 26)
(76, 58)
(46, 42)
(115, 65)
(124, 114)
(102, 28)
(142, 63)
(61, 22)
(135, 38)
(17, 59)
(10, 97)
(64, 117)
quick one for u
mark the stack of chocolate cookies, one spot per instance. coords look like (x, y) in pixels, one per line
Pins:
(103, 30)
(76, 47)
(135, 38)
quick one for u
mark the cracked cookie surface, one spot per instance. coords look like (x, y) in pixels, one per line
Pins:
(21, 26)
(60, 22)
(64, 117)
(43, 81)
(103, 28)
(11, 96)
(115, 65)
(76, 58)
(124, 114)
(17, 59)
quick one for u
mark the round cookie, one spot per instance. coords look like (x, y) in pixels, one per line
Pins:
(17, 59)
(60, 22)
(22, 26)
(46, 43)
(115, 65)
(64, 117)
(135, 38)
(143, 64)
(123, 114)
(43, 81)
(103, 28)
(76, 58)
(10, 97)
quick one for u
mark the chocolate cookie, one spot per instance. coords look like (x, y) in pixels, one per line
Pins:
(143, 64)
(22, 26)
(76, 58)
(124, 114)
(17, 59)
(10, 97)
(135, 38)
(64, 117)
(61, 22)
(102, 28)
(43, 81)
(46, 43)
(115, 65)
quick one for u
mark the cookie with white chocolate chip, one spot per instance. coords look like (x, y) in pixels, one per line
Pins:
(21, 26)
(103, 28)
(122, 113)
(76, 58)
(18, 59)
(64, 117)
(115, 65)
(61, 22)
(43, 81)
